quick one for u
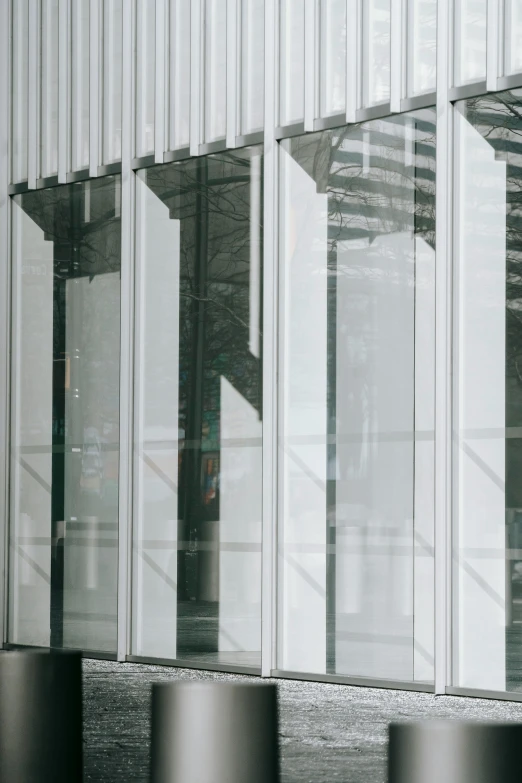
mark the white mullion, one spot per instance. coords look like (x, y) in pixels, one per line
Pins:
(63, 76)
(195, 76)
(396, 54)
(159, 87)
(269, 353)
(126, 342)
(94, 87)
(443, 350)
(32, 109)
(5, 85)
(353, 47)
(232, 72)
(310, 64)
(492, 44)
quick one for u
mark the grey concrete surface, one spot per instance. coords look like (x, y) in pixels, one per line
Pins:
(329, 733)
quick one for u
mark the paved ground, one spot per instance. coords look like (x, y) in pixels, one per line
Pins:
(328, 732)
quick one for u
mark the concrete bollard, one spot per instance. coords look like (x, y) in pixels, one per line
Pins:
(454, 752)
(212, 732)
(40, 717)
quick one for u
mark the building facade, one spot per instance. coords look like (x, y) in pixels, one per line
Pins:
(261, 387)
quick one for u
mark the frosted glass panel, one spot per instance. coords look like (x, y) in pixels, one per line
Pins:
(291, 57)
(215, 125)
(333, 56)
(179, 125)
(49, 89)
(145, 75)
(376, 51)
(80, 83)
(470, 40)
(20, 90)
(422, 46)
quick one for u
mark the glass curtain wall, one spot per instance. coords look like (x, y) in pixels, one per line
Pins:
(356, 527)
(63, 535)
(470, 30)
(252, 65)
(198, 447)
(333, 57)
(376, 21)
(487, 580)
(422, 46)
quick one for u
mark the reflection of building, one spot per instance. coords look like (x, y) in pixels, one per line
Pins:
(261, 397)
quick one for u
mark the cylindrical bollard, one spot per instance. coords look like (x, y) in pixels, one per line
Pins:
(454, 752)
(40, 717)
(212, 732)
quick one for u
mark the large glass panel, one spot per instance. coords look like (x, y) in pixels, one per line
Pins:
(487, 436)
(20, 90)
(49, 88)
(333, 57)
(145, 75)
(422, 46)
(513, 36)
(470, 41)
(80, 83)
(357, 432)
(376, 51)
(215, 118)
(111, 81)
(179, 92)
(63, 533)
(198, 447)
(292, 61)
(252, 65)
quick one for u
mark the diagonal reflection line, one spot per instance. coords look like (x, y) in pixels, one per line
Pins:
(159, 571)
(482, 465)
(305, 575)
(34, 565)
(159, 472)
(304, 467)
(481, 582)
(36, 476)
(230, 639)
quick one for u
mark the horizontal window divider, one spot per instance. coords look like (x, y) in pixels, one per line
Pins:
(47, 182)
(180, 663)
(78, 176)
(287, 131)
(358, 682)
(109, 168)
(334, 121)
(424, 101)
(467, 91)
(143, 162)
(510, 82)
(248, 139)
(18, 187)
(220, 145)
(478, 693)
(373, 112)
(99, 655)
(172, 155)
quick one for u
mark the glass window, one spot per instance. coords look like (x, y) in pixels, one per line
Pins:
(376, 51)
(422, 46)
(470, 40)
(145, 75)
(49, 88)
(357, 433)
(80, 20)
(333, 57)
(111, 80)
(513, 36)
(215, 119)
(252, 65)
(488, 410)
(20, 90)
(198, 463)
(292, 60)
(65, 416)
(179, 74)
